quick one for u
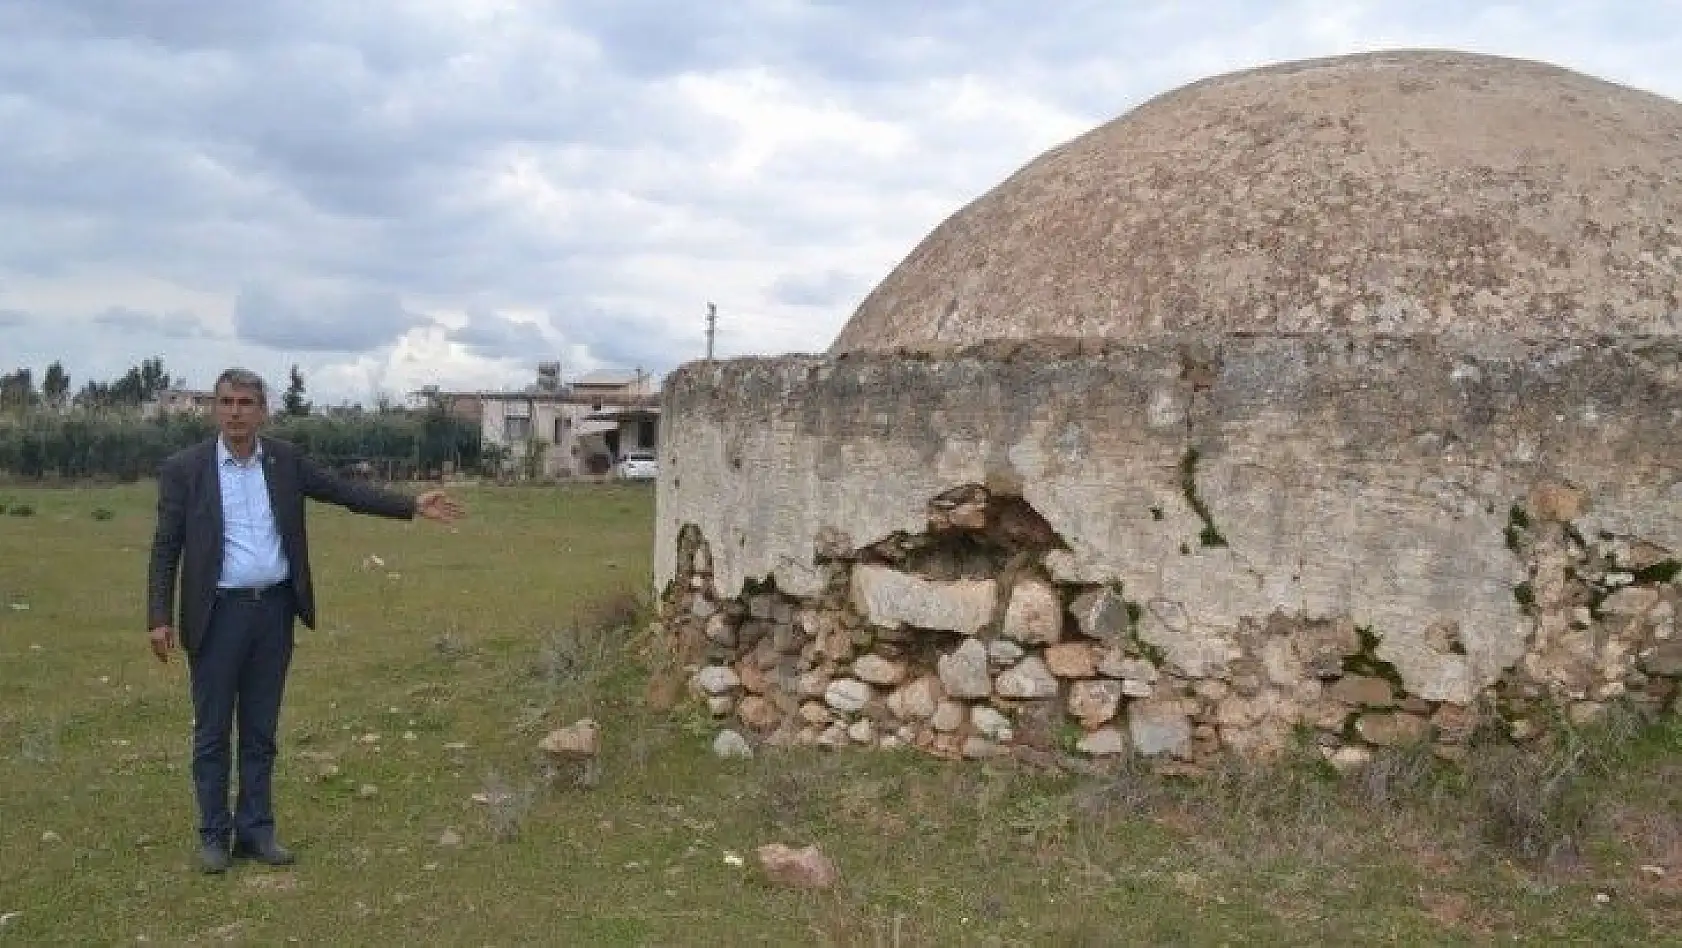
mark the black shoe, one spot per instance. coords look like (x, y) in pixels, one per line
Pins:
(213, 858)
(267, 851)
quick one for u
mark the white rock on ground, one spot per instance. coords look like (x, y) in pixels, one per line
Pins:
(582, 738)
(988, 722)
(862, 731)
(717, 679)
(729, 745)
(806, 868)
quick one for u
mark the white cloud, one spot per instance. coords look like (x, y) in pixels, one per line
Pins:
(390, 194)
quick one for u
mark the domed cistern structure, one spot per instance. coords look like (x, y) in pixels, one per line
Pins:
(1340, 396)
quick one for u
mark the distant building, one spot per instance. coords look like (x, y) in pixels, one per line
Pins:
(579, 428)
(178, 401)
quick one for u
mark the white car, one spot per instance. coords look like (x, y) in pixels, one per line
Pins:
(638, 465)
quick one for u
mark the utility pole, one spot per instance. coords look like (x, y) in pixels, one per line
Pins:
(712, 328)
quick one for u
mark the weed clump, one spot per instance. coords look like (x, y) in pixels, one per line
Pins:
(1660, 572)
(505, 807)
(1209, 535)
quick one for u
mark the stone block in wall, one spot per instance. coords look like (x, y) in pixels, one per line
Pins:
(759, 714)
(990, 723)
(1556, 502)
(1160, 726)
(799, 580)
(1035, 613)
(1630, 601)
(1392, 728)
(786, 639)
(1115, 663)
(948, 716)
(1362, 691)
(1040, 724)
(1664, 660)
(829, 543)
(964, 672)
(1454, 723)
(1193, 651)
(1101, 614)
(1071, 660)
(717, 680)
(1104, 742)
(1004, 653)
(1028, 680)
(878, 670)
(754, 679)
(1320, 645)
(1095, 702)
(916, 701)
(813, 684)
(889, 598)
(1427, 671)
(862, 731)
(721, 630)
(848, 695)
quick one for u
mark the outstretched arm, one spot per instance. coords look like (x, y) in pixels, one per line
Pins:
(318, 483)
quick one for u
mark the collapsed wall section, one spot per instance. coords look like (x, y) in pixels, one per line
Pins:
(1174, 546)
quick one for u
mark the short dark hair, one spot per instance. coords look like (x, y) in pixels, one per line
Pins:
(243, 378)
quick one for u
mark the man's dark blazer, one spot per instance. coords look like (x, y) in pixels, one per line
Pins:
(189, 532)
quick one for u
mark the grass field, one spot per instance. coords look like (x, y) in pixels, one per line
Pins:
(433, 676)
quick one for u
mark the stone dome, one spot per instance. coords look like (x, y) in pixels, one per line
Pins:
(1396, 192)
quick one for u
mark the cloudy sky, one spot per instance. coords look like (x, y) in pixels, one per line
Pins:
(395, 192)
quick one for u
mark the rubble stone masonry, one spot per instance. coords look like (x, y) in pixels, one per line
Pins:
(1175, 546)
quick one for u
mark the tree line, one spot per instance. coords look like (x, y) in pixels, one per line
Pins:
(101, 432)
(141, 383)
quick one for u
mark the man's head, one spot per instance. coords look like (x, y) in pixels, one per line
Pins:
(242, 405)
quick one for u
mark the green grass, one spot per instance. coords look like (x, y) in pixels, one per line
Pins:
(523, 618)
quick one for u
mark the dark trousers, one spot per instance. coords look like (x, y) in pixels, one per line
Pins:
(239, 671)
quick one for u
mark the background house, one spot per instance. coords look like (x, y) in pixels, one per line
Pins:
(178, 401)
(556, 429)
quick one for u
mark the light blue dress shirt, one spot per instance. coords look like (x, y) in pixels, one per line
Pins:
(251, 550)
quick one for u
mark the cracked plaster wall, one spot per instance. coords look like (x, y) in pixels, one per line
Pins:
(1365, 477)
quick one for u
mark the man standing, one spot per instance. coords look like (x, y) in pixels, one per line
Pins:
(231, 523)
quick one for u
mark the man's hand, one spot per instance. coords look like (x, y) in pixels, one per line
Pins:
(163, 640)
(437, 505)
